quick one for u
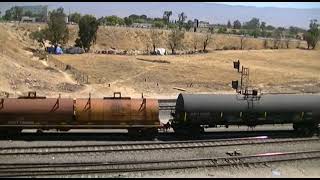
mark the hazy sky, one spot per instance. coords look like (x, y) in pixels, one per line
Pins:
(298, 5)
(291, 13)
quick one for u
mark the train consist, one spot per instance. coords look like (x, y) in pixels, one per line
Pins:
(193, 113)
(34, 112)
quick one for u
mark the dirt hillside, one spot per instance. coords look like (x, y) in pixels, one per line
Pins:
(271, 70)
(139, 39)
(285, 70)
(21, 71)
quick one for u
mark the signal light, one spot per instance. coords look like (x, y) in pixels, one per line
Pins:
(236, 65)
(235, 84)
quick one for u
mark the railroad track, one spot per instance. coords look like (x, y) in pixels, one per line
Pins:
(45, 169)
(108, 148)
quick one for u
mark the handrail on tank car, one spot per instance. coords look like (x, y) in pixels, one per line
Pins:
(1, 103)
(119, 97)
(56, 105)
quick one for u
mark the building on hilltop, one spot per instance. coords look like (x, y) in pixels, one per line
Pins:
(203, 24)
(141, 25)
(28, 19)
(39, 12)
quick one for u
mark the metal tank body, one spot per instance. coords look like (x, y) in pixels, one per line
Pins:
(33, 112)
(117, 112)
(235, 109)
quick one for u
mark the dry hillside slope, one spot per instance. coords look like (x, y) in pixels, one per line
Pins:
(22, 72)
(139, 39)
(271, 70)
(285, 70)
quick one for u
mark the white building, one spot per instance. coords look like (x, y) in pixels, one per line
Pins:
(141, 25)
(27, 19)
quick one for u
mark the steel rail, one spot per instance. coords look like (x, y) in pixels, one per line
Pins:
(18, 170)
(108, 148)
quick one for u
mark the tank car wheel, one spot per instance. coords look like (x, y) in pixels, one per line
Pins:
(196, 131)
(39, 131)
(13, 131)
(180, 131)
(304, 130)
(134, 132)
(189, 131)
(150, 133)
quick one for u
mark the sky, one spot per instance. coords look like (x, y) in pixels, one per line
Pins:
(293, 13)
(298, 5)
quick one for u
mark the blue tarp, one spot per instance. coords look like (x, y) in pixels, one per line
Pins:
(51, 50)
(59, 50)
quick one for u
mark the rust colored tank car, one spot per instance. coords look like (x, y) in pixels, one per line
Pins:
(35, 112)
(115, 112)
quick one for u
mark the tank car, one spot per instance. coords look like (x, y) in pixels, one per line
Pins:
(138, 115)
(194, 112)
(35, 112)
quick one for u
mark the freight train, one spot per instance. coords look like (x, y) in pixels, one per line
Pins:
(140, 116)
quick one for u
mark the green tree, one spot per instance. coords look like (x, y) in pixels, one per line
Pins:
(265, 43)
(17, 13)
(237, 24)
(243, 39)
(277, 36)
(222, 30)
(75, 17)
(134, 16)
(175, 40)
(8, 15)
(263, 25)
(182, 17)
(172, 26)
(207, 39)
(128, 21)
(188, 25)
(155, 38)
(313, 34)
(270, 28)
(229, 24)
(100, 20)
(14, 13)
(166, 15)
(28, 13)
(255, 33)
(114, 21)
(87, 35)
(40, 36)
(143, 17)
(57, 28)
(254, 23)
(159, 24)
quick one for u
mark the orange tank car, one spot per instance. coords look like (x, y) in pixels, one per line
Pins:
(118, 112)
(35, 112)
